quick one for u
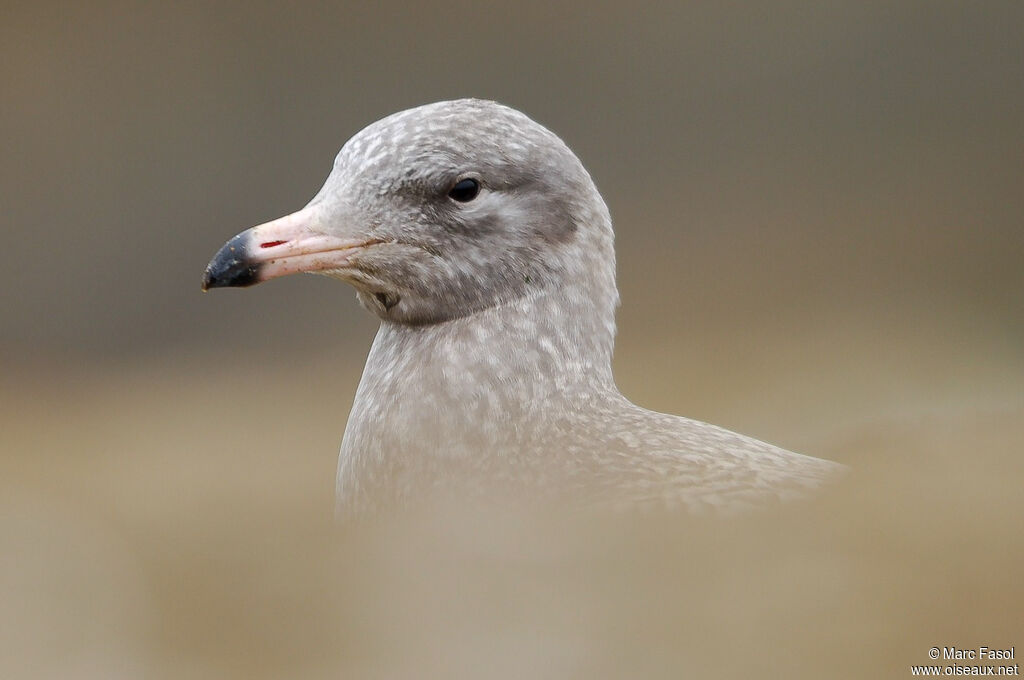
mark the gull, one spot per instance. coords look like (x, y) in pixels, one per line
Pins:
(482, 244)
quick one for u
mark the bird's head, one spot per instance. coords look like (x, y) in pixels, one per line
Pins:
(438, 212)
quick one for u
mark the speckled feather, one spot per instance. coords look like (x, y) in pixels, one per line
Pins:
(492, 366)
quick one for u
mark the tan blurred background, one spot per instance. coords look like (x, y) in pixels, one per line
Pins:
(819, 217)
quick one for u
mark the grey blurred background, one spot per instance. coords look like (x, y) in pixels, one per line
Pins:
(818, 210)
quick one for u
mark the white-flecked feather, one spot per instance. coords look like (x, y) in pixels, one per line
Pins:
(491, 372)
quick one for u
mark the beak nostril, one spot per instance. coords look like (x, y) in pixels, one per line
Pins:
(271, 244)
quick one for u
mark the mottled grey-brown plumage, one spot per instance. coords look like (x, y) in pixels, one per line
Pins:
(492, 366)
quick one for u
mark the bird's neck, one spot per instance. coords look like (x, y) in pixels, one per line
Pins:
(468, 391)
(552, 336)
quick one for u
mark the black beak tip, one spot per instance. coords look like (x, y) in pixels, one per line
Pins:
(232, 267)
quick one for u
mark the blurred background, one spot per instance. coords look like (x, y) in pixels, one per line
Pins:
(818, 210)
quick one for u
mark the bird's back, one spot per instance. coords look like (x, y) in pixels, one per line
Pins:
(628, 455)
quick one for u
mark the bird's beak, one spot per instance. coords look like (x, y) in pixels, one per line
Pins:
(288, 245)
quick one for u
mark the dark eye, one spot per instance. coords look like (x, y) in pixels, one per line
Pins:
(465, 190)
